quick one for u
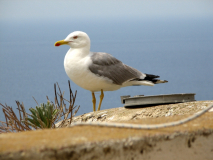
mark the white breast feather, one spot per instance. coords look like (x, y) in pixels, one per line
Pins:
(77, 70)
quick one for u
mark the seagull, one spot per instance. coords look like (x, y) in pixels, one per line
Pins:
(99, 71)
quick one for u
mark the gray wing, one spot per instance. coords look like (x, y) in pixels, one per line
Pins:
(103, 64)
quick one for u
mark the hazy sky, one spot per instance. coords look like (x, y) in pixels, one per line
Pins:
(11, 10)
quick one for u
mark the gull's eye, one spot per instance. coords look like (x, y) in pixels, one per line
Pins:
(75, 37)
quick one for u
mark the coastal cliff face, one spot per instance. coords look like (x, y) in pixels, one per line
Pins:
(192, 140)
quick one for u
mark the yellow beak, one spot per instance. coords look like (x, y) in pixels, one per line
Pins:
(62, 42)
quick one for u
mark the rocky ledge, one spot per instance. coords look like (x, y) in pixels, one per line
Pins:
(192, 140)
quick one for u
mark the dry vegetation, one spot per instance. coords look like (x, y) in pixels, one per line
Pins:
(43, 116)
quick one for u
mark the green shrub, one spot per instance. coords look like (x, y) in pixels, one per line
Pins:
(42, 116)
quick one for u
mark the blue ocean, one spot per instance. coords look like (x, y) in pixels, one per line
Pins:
(178, 50)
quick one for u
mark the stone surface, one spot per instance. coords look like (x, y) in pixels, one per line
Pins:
(192, 140)
(125, 114)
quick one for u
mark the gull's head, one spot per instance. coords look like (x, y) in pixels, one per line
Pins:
(75, 39)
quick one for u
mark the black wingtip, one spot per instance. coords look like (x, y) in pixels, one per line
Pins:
(153, 78)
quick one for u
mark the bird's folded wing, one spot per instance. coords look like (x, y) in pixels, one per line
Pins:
(105, 65)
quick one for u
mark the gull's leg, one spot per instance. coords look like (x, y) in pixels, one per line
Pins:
(101, 98)
(94, 101)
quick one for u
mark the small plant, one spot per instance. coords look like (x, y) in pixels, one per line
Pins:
(43, 116)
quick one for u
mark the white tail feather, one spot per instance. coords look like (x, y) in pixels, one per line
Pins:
(138, 83)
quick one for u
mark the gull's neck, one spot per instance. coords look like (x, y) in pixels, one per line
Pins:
(79, 52)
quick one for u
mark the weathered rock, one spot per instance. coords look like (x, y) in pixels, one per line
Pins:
(193, 140)
(125, 114)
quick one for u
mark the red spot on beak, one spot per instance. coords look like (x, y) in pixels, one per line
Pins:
(57, 44)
